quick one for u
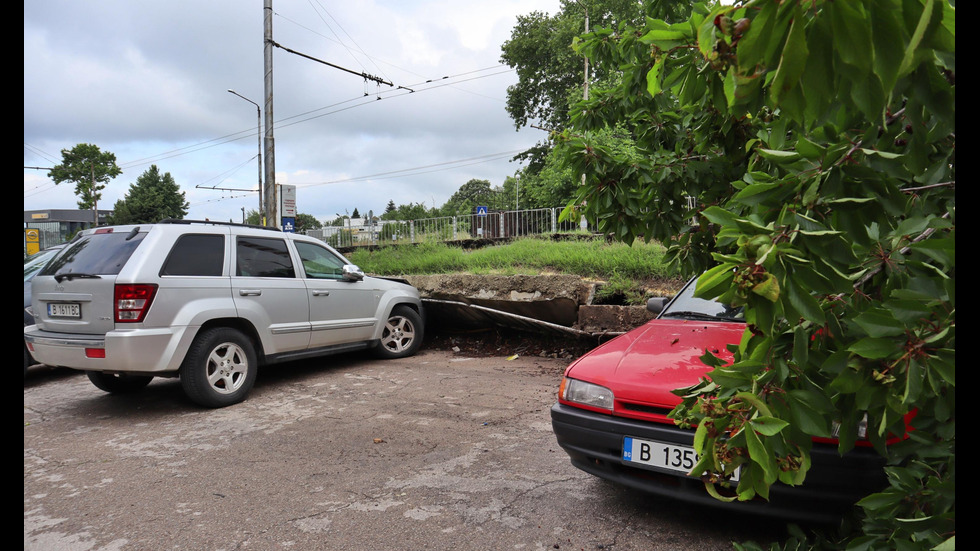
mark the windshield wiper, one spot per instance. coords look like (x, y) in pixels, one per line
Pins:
(72, 275)
(699, 315)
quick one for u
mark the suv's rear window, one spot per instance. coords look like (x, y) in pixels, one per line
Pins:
(98, 254)
(196, 255)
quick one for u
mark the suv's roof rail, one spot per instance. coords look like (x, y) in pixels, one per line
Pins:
(217, 223)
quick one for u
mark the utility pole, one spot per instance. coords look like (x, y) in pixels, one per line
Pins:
(271, 199)
(95, 200)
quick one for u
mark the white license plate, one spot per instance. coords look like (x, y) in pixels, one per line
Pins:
(64, 310)
(672, 457)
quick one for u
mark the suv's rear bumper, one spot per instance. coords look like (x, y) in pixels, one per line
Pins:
(594, 443)
(157, 350)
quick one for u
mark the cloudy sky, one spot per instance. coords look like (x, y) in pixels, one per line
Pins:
(148, 82)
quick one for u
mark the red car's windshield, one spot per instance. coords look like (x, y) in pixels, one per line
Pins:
(686, 305)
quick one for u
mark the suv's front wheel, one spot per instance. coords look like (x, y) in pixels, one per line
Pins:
(402, 334)
(220, 368)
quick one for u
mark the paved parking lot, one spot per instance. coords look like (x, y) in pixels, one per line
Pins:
(438, 451)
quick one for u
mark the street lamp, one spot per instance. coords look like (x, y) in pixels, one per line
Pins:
(259, 134)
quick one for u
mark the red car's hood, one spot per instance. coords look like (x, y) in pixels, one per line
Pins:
(645, 364)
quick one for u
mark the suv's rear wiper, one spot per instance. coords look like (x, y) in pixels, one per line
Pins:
(699, 315)
(72, 275)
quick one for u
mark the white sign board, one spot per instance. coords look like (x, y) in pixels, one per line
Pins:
(288, 207)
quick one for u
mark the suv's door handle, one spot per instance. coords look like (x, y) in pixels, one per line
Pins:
(321, 293)
(250, 292)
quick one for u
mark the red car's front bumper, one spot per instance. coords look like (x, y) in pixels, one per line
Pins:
(594, 443)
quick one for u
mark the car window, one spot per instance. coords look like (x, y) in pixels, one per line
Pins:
(263, 257)
(103, 253)
(36, 261)
(686, 305)
(318, 262)
(196, 255)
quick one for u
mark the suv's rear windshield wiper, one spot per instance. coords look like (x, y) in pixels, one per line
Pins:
(72, 275)
(699, 315)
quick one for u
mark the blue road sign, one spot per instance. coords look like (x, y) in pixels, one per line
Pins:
(481, 211)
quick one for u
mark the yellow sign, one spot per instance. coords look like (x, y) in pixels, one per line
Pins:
(32, 239)
(39, 216)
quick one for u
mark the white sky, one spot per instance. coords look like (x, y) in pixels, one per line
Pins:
(148, 82)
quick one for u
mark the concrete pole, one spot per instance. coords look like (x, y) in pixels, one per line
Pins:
(271, 197)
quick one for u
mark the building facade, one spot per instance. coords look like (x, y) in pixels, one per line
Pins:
(44, 228)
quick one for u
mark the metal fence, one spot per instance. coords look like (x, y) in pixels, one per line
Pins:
(483, 224)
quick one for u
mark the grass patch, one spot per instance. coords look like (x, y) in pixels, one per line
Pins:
(624, 268)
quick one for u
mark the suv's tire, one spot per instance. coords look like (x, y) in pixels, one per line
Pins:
(402, 334)
(220, 368)
(118, 384)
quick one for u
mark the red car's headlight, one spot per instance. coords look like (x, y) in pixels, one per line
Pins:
(587, 394)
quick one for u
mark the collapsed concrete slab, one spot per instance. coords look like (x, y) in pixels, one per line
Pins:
(550, 304)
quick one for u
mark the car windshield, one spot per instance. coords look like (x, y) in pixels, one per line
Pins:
(686, 305)
(34, 263)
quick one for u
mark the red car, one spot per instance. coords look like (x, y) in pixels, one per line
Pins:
(611, 417)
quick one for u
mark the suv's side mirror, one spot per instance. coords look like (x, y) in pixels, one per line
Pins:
(657, 304)
(350, 272)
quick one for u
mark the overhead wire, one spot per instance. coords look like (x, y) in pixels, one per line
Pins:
(449, 80)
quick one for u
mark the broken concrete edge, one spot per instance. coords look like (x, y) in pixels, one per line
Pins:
(516, 321)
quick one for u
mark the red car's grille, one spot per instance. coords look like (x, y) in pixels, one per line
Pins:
(644, 411)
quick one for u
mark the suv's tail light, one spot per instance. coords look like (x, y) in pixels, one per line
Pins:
(132, 302)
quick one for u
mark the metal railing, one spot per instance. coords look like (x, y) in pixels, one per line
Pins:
(486, 224)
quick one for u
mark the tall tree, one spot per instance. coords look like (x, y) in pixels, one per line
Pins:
(153, 197)
(306, 222)
(803, 152)
(550, 74)
(90, 169)
(472, 194)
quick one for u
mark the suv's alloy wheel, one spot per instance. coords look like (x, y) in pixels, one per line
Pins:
(402, 334)
(220, 368)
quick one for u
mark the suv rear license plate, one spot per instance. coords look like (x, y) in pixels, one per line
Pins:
(672, 457)
(64, 310)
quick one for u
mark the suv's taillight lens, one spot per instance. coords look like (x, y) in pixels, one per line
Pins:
(132, 302)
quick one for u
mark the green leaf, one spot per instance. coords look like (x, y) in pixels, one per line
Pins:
(755, 402)
(752, 46)
(760, 455)
(804, 303)
(768, 426)
(719, 277)
(768, 288)
(879, 322)
(778, 156)
(874, 348)
(792, 62)
(909, 57)
(653, 77)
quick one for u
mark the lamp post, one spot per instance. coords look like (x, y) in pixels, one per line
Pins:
(259, 134)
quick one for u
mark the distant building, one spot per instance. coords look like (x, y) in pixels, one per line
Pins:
(57, 225)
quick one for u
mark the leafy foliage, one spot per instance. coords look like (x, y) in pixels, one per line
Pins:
(550, 75)
(802, 153)
(152, 198)
(89, 168)
(306, 222)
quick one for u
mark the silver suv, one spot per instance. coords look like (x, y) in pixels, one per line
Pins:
(209, 302)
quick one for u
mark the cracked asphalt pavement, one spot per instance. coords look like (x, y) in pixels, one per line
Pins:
(441, 451)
